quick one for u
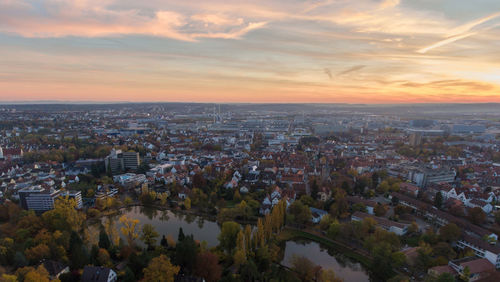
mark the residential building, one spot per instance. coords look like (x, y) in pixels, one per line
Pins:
(38, 198)
(98, 274)
(77, 195)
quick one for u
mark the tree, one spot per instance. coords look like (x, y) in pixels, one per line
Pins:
(164, 242)
(445, 277)
(438, 200)
(185, 253)
(64, 216)
(208, 267)
(450, 232)
(305, 269)
(227, 237)
(187, 203)
(328, 275)
(424, 259)
(160, 269)
(477, 215)
(37, 253)
(181, 235)
(340, 206)
(30, 274)
(104, 241)
(78, 252)
(129, 229)
(103, 258)
(380, 210)
(383, 187)
(149, 235)
(300, 212)
(314, 189)
(382, 264)
(465, 275)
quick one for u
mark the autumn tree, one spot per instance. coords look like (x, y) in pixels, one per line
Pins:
(305, 269)
(477, 215)
(450, 232)
(187, 203)
(129, 229)
(340, 207)
(208, 267)
(38, 253)
(227, 237)
(301, 213)
(64, 216)
(160, 269)
(103, 258)
(240, 255)
(31, 274)
(149, 235)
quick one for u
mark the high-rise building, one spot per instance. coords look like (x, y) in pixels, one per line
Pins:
(119, 161)
(38, 198)
(415, 139)
(131, 160)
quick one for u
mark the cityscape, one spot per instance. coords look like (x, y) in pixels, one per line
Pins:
(250, 192)
(249, 141)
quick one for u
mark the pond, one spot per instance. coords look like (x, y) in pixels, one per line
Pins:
(343, 267)
(168, 223)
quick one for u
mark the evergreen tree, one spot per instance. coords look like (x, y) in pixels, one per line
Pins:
(181, 235)
(438, 200)
(164, 241)
(104, 241)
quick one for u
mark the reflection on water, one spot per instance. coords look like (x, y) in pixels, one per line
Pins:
(168, 223)
(342, 266)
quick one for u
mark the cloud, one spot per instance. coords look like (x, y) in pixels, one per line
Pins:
(445, 42)
(451, 83)
(92, 18)
(328, 72)
(351, 69)
(461, 32)
(389, 4)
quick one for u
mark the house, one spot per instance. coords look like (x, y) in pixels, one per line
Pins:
(369, 204)
(98, 274)
(485, 206)
(184, 193)
(409, 189)
(478, 268)
(389, 225)
(243, 190)
(481, 248)
(317, 214)
(55, 268)
(324, 194)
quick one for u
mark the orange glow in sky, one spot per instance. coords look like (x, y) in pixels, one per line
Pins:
(320, 51)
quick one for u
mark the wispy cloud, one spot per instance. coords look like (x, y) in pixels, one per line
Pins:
(461, 32)
(328, 72)
(351, 69)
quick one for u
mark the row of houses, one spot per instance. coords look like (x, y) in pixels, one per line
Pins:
(480, 240)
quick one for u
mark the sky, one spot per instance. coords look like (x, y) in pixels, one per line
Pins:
(259, 51)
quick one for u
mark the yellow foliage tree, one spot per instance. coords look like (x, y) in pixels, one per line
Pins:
(129, 229)
(187, 203)
(64, 216)
(160, 269)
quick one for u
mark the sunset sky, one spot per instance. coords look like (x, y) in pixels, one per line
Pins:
(349, 51)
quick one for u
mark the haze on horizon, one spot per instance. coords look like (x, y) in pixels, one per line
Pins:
(317, 51)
